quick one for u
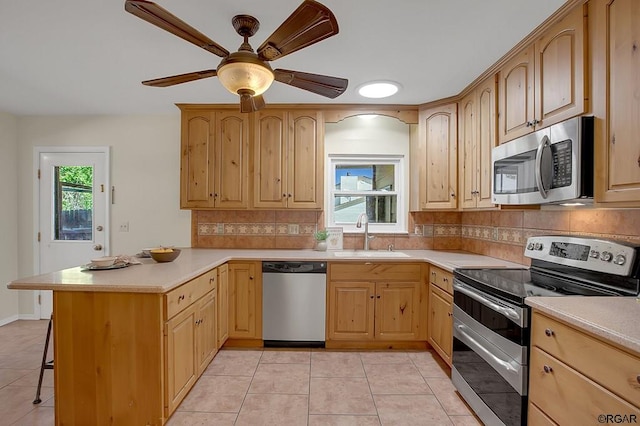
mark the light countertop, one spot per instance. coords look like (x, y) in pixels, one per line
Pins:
(152, 277)
(613, 318)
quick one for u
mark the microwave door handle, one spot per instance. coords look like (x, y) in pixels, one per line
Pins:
(544, 143)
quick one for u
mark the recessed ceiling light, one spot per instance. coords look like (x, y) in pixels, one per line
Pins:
(379, 89)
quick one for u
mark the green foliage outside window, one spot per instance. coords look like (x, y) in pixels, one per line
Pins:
(77, 187)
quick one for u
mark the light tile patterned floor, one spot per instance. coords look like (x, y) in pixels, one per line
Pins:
(265, 387)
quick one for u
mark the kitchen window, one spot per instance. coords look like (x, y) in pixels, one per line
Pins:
(371, 185)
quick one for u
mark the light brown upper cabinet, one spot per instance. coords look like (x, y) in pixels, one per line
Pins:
(616, 59)
(477, 131)
(288, 159)
(214, 159)
(436, 157)
(545, 83)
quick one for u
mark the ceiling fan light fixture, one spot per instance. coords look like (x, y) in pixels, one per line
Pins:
(378, 89)
(242, 71)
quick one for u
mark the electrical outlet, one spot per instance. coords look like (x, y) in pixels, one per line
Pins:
(294, 228)
(124, 227)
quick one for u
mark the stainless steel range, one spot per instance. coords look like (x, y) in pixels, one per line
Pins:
(491, 325)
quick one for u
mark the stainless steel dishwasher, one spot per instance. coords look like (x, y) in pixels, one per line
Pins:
(294, 303)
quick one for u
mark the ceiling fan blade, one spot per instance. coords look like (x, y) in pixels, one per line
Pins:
(324, 85)
(250, 103)
(310, 23)
(180, 78)
(162, 18)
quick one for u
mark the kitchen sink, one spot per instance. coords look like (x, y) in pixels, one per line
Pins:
(370, 253)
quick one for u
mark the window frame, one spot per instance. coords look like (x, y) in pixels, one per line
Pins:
(398, 161)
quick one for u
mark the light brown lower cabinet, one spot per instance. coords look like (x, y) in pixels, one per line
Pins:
(130, 358)
(576, 378)
(441, 312)
(222, 297)
(245, 303)
(379, 302)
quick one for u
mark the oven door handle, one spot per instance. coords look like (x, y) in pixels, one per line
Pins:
(510, 313)
(468, 340)
(544, 143)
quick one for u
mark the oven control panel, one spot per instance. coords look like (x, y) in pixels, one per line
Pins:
(599, 255)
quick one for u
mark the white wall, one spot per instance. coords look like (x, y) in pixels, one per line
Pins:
(8, 216)
(145, 170)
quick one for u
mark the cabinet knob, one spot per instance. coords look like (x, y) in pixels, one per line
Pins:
(529, 124)
(180, 298)
(378, 297)
(450, 314)
(547, 369)
(212, 279)
(251, 277)
(289, 195)
(638, 378)
(284, 195)
(372, 296)
(549, 332)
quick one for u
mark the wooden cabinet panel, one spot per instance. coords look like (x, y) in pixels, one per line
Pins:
(477, 132)
(245, 300)
(288, 159)
(516, 90)
(370, 271)
(351, 311)
(223, 304)
(535, 417)
(305, 160)
(438, 166)
(440, 322)
(545, 83)
(567, 396)
(181, 367)
(397, 311)
(612, 368)
(206, 341)
(616, 87)
(442, 279)
(377, 301)
(180, 298)
(214, 159)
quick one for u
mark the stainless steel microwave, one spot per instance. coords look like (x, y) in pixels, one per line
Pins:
(551, 165)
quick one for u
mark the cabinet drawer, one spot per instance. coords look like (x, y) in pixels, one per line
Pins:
(567, 396)
(369, 271)
(537, 418)
(178, 299)
(611, 367)
(442, 279)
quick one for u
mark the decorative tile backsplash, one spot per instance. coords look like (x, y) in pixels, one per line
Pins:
(500, 234)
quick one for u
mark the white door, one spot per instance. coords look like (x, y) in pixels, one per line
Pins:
(73, 197)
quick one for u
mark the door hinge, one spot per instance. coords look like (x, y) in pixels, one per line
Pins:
(38, 173)
(101, 187)
(38, 236)
(39, 299)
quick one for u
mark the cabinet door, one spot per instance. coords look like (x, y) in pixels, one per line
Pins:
(616, 88)
(197, 159)
(223, 304)
(206, 342)
(305, 163)
(468, 151)
(269, 188)
(487, 95)
(560, 70)
(396, 311)
(351, 311)
(516, 90)
(438, 172)
(441, 322)
(181, 366)
(231, 160)
(245, 300)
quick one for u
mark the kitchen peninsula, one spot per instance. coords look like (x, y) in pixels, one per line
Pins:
(120, 335)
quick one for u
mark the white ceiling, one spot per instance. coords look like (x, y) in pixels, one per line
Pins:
(89, 56)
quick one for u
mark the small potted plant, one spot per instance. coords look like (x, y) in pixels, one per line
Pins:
(321, 240)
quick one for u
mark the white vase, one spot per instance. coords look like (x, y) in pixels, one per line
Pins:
(321, 245)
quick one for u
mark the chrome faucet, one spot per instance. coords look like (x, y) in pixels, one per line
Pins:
(364, 218)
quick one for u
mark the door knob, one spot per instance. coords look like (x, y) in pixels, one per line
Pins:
(97, 247)
(99, 228)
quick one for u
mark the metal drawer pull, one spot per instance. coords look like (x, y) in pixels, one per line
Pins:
(549, 332)
(508, 312)
(181, 297)
(547, 369)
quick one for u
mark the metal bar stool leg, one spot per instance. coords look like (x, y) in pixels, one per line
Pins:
(45, 365)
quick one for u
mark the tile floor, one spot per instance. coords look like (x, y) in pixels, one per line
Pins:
(265, 387)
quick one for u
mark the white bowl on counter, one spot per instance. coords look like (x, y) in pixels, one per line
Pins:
(104, 261)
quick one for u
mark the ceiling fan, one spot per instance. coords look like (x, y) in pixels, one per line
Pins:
(245, 72)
